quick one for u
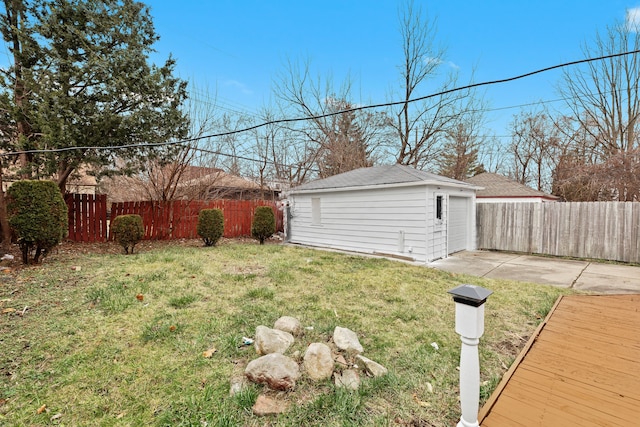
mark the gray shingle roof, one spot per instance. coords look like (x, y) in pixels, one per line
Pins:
(500, 186)
(379, 175)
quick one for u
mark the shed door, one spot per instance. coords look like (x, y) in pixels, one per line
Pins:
(458, 224)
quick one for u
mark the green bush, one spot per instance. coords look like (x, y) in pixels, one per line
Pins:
(210, 225)
(264, 223)
(38, 217)
(128, 231)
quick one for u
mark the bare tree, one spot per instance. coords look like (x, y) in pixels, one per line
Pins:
(348, 144)
(162, 175)
(421, 126)
(603, 97)
(491, 155)
(334, 131)
(267, 167)
(535, 147)
(582, 174)
(237, 146)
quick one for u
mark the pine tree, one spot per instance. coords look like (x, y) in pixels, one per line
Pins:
(459, 158)
(81, 77)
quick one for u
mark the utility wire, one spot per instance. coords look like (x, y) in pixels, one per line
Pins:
(320, 116)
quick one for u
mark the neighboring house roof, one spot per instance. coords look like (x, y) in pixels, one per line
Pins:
(196, 182)
(82, 179)
(197, 175)
(379, 176)
(498, 186)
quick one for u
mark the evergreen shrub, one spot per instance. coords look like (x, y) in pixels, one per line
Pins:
(38, 217)
(210, 226)
(128, 231)
(264, 223)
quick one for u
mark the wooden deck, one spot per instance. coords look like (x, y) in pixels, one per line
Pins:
(580, 368)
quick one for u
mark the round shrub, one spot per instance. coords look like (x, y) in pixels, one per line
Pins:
(128, 231)
(210, 225)
(264, 223)
(38, 217)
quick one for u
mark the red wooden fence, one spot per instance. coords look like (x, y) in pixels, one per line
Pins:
(87, 217)
(178, 219)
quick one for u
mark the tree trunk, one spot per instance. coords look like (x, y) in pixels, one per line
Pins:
(64, 171)
(25, 253)
(23, 129)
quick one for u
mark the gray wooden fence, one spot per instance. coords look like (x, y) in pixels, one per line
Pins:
(598, 230)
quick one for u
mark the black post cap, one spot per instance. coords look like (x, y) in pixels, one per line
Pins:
(471, 295)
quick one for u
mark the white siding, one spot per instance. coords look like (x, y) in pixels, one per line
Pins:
(398, 220)
(387, 220)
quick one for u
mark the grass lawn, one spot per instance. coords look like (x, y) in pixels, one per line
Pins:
(94, 354)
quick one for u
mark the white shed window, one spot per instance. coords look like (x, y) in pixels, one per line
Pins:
(315, 211)
(439, 208)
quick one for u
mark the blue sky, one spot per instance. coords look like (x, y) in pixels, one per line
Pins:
(234, 49)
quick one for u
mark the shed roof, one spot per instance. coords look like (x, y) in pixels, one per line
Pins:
(380, 176)
(500, 186)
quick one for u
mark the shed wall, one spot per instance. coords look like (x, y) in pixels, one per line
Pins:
(387, 220)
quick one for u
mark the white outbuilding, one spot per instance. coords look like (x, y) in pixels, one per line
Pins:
(391, 210)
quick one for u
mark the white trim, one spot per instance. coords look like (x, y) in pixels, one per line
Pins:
(430, 183)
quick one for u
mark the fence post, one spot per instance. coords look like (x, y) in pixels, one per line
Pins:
(469, 301)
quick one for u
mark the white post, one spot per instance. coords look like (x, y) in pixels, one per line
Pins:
(469, 301)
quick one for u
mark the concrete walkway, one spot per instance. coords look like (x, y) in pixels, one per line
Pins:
(580, 275)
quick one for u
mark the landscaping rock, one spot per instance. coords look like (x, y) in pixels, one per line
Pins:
(269, 340)
(237, 385)
(318, 361)
(373, 368)
(348, 379)
(340, 360)
(347, 340)
(275, 370)
(289, 324)
(267, 406)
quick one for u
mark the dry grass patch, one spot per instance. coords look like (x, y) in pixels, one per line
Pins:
(121, 341)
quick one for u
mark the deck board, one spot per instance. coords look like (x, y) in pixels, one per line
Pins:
(582, 367)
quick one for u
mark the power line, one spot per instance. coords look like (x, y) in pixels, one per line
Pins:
(254, 160)
(320, 116)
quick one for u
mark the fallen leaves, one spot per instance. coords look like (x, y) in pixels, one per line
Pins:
(8, 310)
(140, 297)
(420, 402)
(42, 409)
(209, 352)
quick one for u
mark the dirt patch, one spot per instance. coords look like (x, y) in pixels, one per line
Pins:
(415, 422)
(511, 347)
(247, 270)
